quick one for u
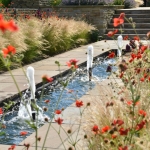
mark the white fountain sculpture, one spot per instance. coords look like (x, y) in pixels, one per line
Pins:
(120, 45)
(90, 60)
(26, 110)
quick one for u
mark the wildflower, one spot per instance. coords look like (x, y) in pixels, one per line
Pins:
(142, 79)
(129, 103)
(123, 131)
(72, 63)
(58, 112)
(118, 122)
(118, 21)
(131, 59)
(121, 75)
(105, 129)
(142, 113)
(59, 121)
(1, 111)
(125, 37)
(22, 133)
(79, 103)
(133, 55)
(123, 148)
(136, 38)
(45, 78)
(143, 48)
(8, 51)
(47, 101)
(139, 56)
(27, 146)
(12, 147)
(123, 67)
(12, 26)
(140, 125)
(113, 136)
(95, 129)
(112, 33)
(122, 16)
(111, 55)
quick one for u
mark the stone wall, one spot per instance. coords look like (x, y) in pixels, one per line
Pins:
(97, 15)
(29, 3)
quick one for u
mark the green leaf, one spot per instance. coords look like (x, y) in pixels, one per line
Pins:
(137, 98)
(2, 133)
(64, 83)
(57, 62)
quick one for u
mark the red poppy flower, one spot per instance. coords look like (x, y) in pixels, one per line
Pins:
(123, 131)
(12, 26)
(143, 48)
(142, 113)
(59, 121)
(95, 129)
(145, 75)
(1, 111)
(72, 63)
(139, 56)
(112, 33)
(118, 21)
(22, 133)
(123, 148)
(136, 38)
(47, 101)
(12, 147)
(45, 78)
(118, 122)
(137, 70)
(125, 37)
(105, 129)
(122, 15)
(57, 112)
(79, 103)
(121, 75)
(142, 79)
(140, 125)
(129, 103)
(133, 55)
(111, 55)
(131, 59)
(113, 136)
(8, 51)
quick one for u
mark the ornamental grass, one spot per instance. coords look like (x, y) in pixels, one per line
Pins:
(39, 38)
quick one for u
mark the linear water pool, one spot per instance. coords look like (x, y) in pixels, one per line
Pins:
(79, 85)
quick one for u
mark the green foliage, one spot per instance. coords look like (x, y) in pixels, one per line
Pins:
(54, 2)
(6, 2)
(118, 2)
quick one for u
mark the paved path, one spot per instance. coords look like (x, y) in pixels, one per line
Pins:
(71, 113)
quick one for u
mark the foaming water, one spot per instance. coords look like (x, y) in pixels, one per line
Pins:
(15, 121)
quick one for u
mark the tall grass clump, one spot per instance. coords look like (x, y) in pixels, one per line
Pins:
(39, 38)
(64, 34)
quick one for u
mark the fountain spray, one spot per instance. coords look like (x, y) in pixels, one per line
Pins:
(89, 61)
(30, 75)
(120, 45)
